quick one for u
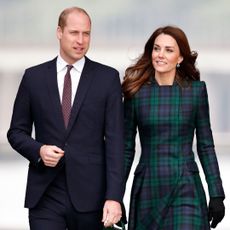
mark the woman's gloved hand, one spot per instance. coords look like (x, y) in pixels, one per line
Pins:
(216, 210)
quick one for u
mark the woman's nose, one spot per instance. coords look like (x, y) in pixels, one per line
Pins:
(161, 53)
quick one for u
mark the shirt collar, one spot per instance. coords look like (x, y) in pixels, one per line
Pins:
(78, 65)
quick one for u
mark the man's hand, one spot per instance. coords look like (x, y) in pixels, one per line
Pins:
(111, 213)
(50, 155)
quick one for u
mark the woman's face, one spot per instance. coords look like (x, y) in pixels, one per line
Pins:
(165, 55)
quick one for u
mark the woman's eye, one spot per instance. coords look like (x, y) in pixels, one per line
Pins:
(156, 48)
(169, 50)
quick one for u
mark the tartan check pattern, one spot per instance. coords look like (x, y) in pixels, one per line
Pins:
(167, 192)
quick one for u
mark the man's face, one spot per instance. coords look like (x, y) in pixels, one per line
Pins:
(74, 38)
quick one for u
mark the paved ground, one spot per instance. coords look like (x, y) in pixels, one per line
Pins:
(13, 171)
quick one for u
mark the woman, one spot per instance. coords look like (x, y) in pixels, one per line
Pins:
(167, 102)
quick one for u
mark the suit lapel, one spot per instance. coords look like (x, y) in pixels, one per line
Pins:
(53, 93)
(84, 83)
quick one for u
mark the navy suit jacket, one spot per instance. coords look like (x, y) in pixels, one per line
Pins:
(93, 141)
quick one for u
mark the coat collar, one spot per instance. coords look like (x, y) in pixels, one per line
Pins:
(84, 84)
(53, 93)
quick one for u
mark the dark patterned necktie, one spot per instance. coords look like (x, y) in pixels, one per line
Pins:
(66, 96)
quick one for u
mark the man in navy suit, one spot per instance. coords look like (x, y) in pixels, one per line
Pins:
(75, 167)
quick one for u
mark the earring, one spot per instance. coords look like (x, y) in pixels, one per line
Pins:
(178, 65)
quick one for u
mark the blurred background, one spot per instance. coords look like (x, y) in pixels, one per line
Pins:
(119, 32)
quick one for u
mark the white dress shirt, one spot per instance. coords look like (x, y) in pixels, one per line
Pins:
(75, 75)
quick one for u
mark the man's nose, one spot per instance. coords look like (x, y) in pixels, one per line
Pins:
(80, 38)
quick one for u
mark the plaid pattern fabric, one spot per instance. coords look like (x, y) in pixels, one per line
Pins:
(167, 192)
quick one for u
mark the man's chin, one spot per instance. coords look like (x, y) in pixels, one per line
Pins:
(78, 56)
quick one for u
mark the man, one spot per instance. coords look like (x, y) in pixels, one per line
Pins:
(76, 158)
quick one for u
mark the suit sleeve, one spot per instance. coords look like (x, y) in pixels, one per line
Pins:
(130, 134)
(114, 142)
(19, 133)
(205, 146)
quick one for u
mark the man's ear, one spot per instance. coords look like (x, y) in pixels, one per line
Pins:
(59, 32)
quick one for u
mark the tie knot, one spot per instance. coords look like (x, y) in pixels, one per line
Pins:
(69, 67)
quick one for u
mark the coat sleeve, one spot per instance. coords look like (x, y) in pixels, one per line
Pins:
(130, 134)
(19, 133)
(114, 142)
(205, 145)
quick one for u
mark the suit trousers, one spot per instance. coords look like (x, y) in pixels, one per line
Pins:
(55, 210)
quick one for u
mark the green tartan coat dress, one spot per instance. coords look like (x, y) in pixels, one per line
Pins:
(167, 193)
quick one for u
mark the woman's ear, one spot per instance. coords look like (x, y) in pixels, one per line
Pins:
(180, 59)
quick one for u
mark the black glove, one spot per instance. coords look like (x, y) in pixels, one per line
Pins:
(216, 210)
(123, 218)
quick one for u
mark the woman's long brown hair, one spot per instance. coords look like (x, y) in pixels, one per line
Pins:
(140, 73)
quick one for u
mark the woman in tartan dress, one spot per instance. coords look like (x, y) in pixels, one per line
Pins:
(166, 101)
